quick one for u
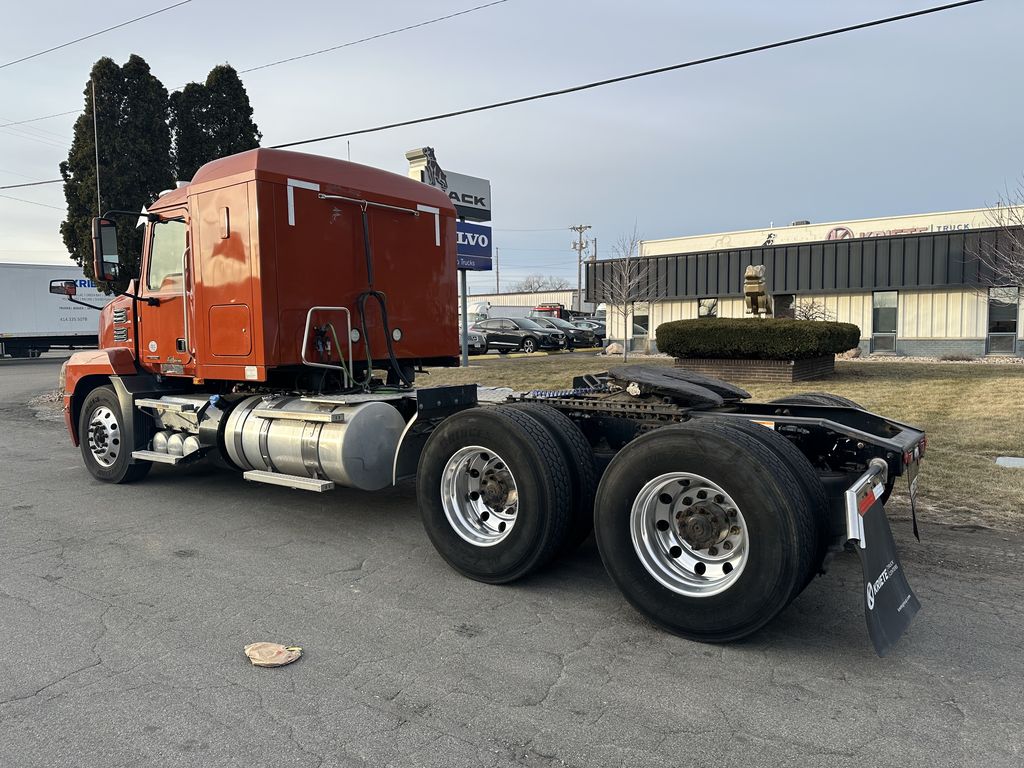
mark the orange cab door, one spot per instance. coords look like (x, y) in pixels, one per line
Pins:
(164, 344)
(224, 278)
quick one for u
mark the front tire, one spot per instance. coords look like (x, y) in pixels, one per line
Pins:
(529, 346)
(705, 529)
(100, 428)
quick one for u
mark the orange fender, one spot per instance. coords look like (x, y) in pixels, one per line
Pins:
(84, 371)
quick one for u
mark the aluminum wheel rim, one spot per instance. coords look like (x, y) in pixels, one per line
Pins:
(479, 496)
(689, 534)
(104, 436)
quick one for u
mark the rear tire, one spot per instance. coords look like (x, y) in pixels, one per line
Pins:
(579, 458)
(100, 426)
(664, 544)
(806, 475)
(494, 493)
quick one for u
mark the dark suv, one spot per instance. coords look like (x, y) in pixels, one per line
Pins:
(506, 334)
(577, 337)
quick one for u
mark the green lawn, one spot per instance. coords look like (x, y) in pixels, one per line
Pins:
(971, 412)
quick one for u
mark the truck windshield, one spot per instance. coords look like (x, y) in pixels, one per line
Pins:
(165, 254)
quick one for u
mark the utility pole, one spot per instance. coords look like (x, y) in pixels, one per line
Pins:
(497, 279)
(593, 258)
(96, 145)
(579, 246)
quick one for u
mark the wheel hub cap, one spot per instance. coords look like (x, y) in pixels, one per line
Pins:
(104, 436)
(689, 534)
(479, 496)
(703, 526)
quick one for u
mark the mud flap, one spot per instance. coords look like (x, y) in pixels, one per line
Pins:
(889, 602)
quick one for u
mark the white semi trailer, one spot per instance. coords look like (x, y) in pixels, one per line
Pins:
(33, 321)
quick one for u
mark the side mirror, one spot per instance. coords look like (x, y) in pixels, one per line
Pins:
(105, 263)
(63, 287)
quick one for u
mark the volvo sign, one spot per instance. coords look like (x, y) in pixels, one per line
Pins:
(473, 246)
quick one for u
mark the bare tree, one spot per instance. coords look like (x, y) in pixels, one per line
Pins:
(627, 281)
(534, 283)
(812, 310)
(1003, 263)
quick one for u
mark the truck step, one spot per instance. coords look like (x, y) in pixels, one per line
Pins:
(326, 417)
(158, 457)
(172, 406)
(288, 481)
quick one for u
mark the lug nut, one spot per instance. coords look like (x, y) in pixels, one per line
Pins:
(713, 551)
(726, 545)
(734, 531)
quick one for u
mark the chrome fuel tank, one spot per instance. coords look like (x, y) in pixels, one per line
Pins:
(353, 445)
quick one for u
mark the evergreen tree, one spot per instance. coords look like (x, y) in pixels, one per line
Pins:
(210, 120)
(134, 158)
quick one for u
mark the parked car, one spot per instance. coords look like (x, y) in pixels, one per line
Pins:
(507, 334)
(598, 327)
(575, 336)
(476, 342)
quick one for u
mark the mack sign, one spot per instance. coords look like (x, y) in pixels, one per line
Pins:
(473, 246)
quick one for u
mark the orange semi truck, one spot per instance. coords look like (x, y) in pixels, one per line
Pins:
(282, 309)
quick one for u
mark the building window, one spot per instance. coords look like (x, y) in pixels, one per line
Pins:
(885, 309)
(1003, 307)
(784, 306)
(707, 307)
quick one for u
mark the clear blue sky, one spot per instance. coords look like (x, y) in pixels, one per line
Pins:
(922, 115)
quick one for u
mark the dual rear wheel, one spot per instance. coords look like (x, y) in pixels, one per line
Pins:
(504, 489)
(709, 528)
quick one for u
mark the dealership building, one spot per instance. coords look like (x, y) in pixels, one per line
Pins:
(914, 285)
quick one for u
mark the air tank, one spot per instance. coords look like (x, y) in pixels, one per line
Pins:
(357, 452)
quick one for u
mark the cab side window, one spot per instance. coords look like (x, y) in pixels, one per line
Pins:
(165, 254)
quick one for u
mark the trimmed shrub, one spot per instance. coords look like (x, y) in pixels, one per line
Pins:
(722, 338)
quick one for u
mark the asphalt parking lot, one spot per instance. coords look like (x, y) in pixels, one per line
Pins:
(124, 611)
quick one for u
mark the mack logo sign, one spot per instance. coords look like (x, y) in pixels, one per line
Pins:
(470, 195)
(473, 246)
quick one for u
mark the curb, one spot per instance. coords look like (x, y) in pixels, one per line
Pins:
(542, 353)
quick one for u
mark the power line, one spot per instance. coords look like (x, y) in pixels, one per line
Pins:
(37, 119)
(636, 75)
(375, 37)
(281, 61)
(32, 183)
(550, 229)
(94, 34)
(31, 202)
(40, 131)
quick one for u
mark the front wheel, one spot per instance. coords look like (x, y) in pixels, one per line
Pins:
(529, 346)
(705, 529)
(100, 432)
